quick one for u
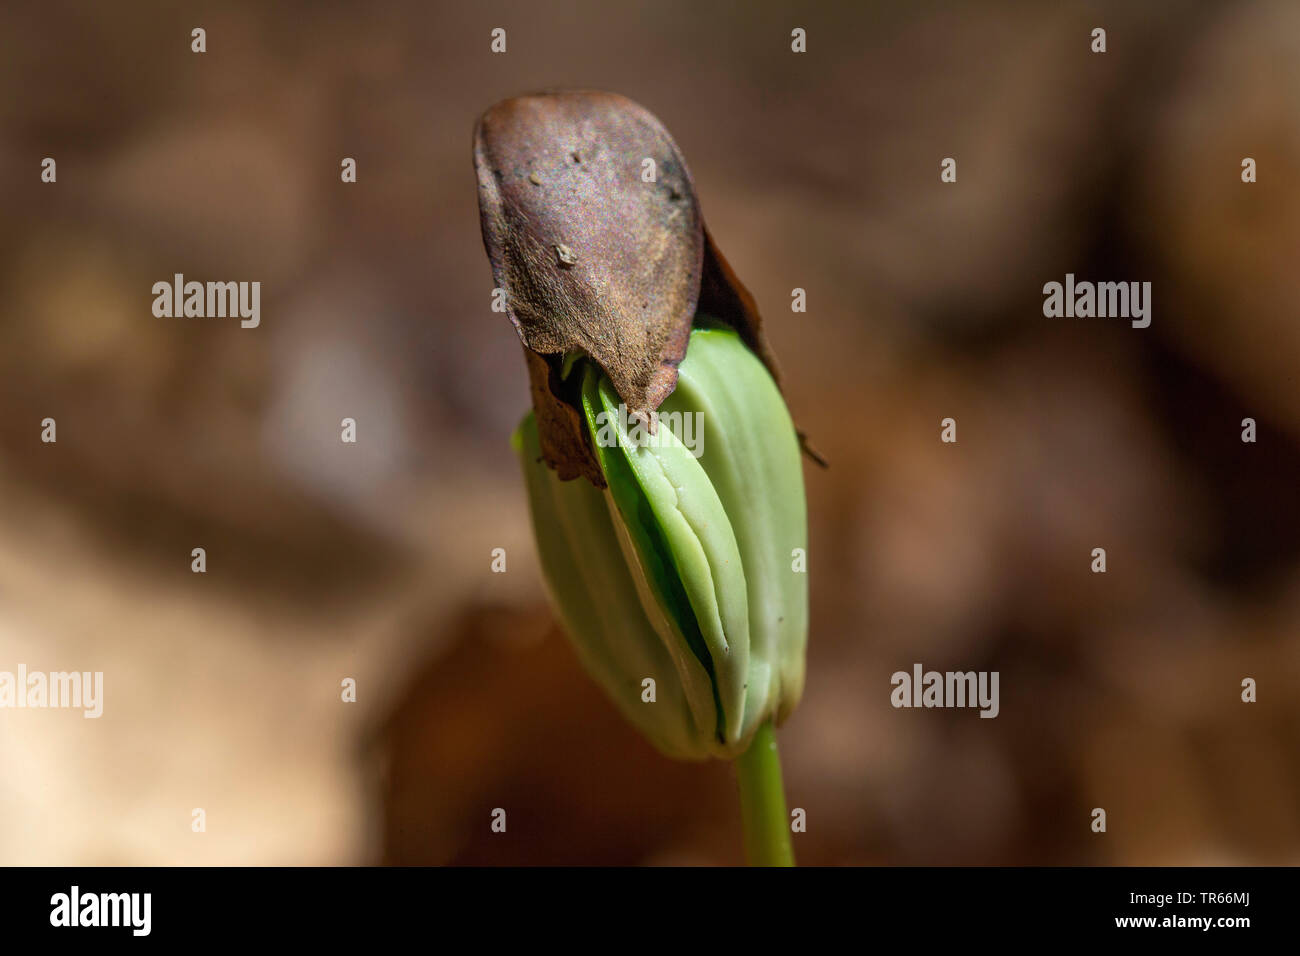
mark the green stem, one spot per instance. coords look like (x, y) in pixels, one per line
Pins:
(762, 802)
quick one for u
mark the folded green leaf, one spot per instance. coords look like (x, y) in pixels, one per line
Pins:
(592, 589)
(691, 560)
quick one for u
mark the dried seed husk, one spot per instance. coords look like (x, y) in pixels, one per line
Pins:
(594, 259)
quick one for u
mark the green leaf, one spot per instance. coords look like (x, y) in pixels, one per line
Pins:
(750, 453)
(681, 546)
(593, 591)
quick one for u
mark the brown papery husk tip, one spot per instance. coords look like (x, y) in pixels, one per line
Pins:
(595, 259)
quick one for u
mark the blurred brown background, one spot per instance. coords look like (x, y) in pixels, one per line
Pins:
(818, 171)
